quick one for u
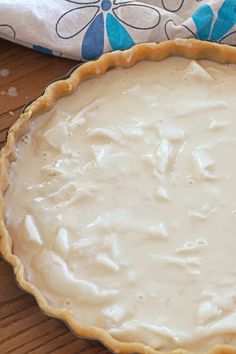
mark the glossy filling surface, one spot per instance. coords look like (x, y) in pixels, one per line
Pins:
(122, 204)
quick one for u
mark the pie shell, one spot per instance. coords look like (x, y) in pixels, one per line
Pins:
(187, 48)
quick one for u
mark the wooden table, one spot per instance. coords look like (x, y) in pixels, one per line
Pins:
(23, 328)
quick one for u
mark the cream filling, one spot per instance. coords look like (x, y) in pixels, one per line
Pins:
(122, 204)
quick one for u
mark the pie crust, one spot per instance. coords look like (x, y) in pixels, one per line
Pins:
(188, 48)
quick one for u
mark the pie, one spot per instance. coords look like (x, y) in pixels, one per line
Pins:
(118, 202)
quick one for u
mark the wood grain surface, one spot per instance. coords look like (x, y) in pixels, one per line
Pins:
(23, 327)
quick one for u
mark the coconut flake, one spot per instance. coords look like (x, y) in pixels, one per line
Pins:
(195, 70)
(158, 230)
(32, 232)
(61, 242)
(101, 153)
(162, 194)
(107, 262)
(203, 162)
(57, 135)
(107, 133)
(217, 124)
(164, 152)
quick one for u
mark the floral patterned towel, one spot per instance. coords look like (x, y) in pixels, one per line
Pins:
(84, 29)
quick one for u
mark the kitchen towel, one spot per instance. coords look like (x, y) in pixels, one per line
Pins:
(84, 29)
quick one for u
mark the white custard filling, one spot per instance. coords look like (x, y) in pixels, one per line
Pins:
(122, 204)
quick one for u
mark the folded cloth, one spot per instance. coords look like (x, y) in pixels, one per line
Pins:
(84, 29)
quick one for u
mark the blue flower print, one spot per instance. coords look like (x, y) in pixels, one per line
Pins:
(41, 49)
(205, 25)
(102, 19)
(207, 28)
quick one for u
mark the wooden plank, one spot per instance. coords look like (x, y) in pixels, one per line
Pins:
(30, 72)
(23, 327)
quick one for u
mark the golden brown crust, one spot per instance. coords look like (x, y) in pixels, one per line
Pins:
(188, 48)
